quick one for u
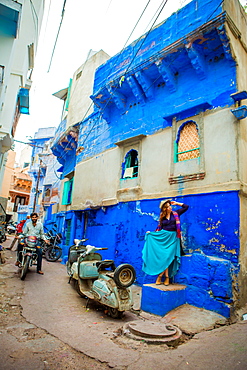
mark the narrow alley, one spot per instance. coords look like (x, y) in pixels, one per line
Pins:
(52, 328)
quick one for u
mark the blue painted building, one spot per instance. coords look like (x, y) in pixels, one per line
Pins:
(163, 126)
(43, 172)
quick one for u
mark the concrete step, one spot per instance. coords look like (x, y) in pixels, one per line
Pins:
(160, 299)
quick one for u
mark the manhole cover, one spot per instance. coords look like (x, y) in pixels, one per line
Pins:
(152, 332)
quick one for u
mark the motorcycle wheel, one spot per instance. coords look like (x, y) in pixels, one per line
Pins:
(53, 253)
(114, 313)
(3, 238)
(25, 267)
(124, 275)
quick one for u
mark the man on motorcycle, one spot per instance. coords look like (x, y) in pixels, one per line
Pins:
(35, 228)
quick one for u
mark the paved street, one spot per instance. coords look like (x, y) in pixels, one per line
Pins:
(84, 338)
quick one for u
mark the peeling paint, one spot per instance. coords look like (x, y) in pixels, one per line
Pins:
(154, 216)
(214, 240)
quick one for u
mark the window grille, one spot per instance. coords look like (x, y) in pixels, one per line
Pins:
(130, 165)
(187, 143)
(68, 232)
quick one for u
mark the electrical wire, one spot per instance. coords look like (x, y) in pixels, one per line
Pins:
(153, 17)
(215, 10)
(165, 2)
(22, 142)
(136, 24)
(159, 10)
(88, 109)
(161, 7)
(53, 51)
(85, 115)
(34, 14)
(108, 6)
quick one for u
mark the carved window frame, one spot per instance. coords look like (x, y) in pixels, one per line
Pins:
(190, 149)
(188, 170)
(129, 187)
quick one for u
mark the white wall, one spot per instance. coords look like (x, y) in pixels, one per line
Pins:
(14, 57)
(80, 105)
(97, 180)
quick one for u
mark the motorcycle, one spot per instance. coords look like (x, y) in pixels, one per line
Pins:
(11, 228)
(2, 235)
(52, 251)
(29, 255)
(100, 280)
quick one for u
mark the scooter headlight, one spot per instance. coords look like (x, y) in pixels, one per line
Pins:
(123, 293)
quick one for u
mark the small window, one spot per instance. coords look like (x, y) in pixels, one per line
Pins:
(130, 165)
(31, 56)
(187, 144)
(78, 75)
(1, 74)
(23, 100)
(68, 232)
(67, 192)
(18, 200)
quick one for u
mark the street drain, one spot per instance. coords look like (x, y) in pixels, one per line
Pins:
(152, 332)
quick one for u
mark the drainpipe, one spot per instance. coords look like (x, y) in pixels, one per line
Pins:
(85, 214)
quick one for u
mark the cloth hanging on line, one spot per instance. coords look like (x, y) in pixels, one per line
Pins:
(161, 250)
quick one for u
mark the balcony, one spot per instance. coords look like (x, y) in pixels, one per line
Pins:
(9, 18)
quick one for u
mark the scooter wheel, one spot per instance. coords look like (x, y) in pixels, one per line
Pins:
(77, 288)
(114, 313)
(124, 275)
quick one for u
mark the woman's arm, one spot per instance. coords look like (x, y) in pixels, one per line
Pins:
(184, 207)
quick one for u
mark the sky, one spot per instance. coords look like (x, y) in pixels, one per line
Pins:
(87, 24)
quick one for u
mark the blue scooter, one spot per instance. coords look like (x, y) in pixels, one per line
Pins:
(99, 279)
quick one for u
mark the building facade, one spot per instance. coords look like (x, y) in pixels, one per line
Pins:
(43, 167)
(167, 123)
(20, 24)
(77, 106)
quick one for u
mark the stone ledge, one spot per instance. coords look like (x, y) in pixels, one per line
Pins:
(128, 194)
(185, 178)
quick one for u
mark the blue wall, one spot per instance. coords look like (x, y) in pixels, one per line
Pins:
(207, 283)
(195, 90)
(211, 240)
(176, 27)
(208, 227)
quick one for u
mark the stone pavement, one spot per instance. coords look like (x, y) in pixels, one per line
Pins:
(189, 319)
(51, 304)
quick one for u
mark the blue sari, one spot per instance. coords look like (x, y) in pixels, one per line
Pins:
(161, 250)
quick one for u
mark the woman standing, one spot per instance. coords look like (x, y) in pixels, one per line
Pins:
(161, 252)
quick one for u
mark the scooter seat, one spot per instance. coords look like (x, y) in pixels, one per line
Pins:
(101, 265)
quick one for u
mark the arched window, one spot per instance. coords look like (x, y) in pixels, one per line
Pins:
(130, 165)
(187, 143)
